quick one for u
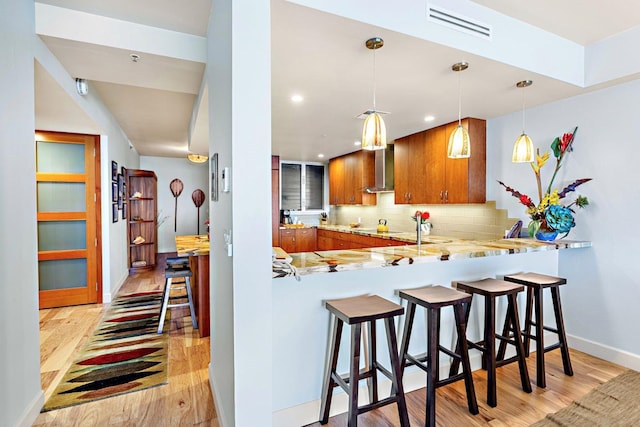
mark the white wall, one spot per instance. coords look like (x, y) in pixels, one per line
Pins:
(239, 81)
(193, 176)
(604, 281)
(21, 393)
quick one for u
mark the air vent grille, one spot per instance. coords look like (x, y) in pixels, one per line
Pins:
(458, 22)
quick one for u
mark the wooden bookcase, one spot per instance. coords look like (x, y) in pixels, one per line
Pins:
(141, 222)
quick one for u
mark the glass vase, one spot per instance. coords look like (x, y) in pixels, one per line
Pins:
(546, 234)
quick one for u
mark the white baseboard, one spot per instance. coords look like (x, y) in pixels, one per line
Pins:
(222, 419)
(610, 354)
(107, 297)
(32, 411)
(309, 412)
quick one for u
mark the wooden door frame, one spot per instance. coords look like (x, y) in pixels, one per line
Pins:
(55, 136)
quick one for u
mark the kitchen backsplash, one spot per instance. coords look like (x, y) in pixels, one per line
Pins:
(463, 221)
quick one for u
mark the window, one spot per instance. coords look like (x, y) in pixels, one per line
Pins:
(302, 186)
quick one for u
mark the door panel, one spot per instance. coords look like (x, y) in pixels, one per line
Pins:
(68, 219)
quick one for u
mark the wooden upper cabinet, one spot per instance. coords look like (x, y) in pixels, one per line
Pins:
(336, 181)
(349, 175)
(424, 174)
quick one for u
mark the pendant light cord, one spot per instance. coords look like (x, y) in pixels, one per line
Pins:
(459, 100)
(523, 110)
(374, 79)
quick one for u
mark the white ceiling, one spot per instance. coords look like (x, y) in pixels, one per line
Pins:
(319, 56)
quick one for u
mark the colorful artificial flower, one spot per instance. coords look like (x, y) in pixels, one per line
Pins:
(550, 214)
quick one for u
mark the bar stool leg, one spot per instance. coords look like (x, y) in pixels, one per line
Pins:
(433, 341)
(165, 304)
(354, 372)
(328, 383)
(539, 310)
(408, 326)
(461, 329)
(396, 377)
(562, 337)
(373, 364)
(528, 321)
(490, 353)
(194, 321)
(512, 308)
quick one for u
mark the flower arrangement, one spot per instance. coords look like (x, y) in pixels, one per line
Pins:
(550, 217)
(421, 218)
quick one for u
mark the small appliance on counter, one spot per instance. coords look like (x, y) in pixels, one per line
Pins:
(285, 217)
(382, 226)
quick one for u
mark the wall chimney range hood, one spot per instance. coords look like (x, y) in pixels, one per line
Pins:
(384, 171)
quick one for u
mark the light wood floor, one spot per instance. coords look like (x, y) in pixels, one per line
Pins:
(187, 399)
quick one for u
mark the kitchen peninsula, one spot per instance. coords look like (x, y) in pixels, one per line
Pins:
(196, 247)
(301, 323)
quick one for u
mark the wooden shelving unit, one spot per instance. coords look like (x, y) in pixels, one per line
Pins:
(141, 222)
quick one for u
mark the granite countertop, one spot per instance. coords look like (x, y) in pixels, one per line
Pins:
(432, 249)
(403, 236)
(195, 244)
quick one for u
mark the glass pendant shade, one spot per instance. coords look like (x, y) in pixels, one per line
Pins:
(374, 133)
(459, 144)
(197, 158)
(523, 149)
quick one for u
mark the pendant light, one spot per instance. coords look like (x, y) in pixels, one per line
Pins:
(523, 148)
(374, 132)
(459, 144)
(197, 158)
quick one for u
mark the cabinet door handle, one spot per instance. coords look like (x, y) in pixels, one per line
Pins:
(446, 196)
(409, 196)
(440, 195)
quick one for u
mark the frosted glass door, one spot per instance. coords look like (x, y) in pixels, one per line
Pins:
(66, 219)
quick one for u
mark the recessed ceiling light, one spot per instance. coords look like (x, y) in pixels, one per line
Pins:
(321, 155)
(134, 57)
(357, 143)
(297, 98)
(429, 118)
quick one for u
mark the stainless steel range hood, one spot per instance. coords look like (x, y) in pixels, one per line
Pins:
(384, 171)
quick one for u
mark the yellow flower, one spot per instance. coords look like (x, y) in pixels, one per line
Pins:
(540, 161)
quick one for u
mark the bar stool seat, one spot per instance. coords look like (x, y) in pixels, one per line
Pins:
(177, 270)
(433, 298)
(535, 284)
(491, 289)
(355, 311)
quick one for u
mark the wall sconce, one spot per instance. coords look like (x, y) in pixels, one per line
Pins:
(82, 87)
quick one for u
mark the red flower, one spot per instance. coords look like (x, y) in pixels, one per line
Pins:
(525, 200)
(424, 216)
(566, 138)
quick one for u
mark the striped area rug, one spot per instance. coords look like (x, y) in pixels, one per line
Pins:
(125, 354)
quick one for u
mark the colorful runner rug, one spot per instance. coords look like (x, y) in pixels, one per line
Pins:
(124, 354)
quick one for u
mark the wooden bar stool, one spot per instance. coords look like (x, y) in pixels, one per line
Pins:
(536, 283)
(177, 268)
(433, 298)
(491, 289)
(355, 311)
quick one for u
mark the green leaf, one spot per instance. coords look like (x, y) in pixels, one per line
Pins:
(533, 228)
(555, 146)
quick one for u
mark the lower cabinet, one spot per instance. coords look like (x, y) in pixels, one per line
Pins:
(329, 240)
(294, 240)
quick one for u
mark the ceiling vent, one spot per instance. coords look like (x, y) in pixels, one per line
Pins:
(458, 22)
